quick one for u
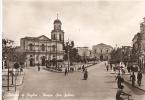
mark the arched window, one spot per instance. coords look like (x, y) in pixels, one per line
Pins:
(54, 37)
(53, 48)
(59, 37)
(43, 47)
(31, 46)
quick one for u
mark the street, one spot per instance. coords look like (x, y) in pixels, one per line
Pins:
(45, 85)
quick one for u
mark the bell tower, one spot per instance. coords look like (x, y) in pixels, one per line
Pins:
(57, 34)
(142, 26)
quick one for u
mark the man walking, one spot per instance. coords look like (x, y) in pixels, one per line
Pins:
(139, 78)
(133, 79)
(119, 80)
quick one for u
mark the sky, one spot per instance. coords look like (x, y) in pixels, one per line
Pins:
(86, 22)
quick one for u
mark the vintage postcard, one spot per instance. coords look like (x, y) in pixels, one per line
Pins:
(73, 50)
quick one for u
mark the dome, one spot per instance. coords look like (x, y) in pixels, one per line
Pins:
(57, 21)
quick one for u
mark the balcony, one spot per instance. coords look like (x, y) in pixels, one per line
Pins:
(40, 51)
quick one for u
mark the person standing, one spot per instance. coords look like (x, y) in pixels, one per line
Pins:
(133, 79)
(66, 72)
(128, 69)
(119, 80)
(110, 66)
(107, 67)
(85, 74)
(38, 67)
(83, 68)
(139, 78)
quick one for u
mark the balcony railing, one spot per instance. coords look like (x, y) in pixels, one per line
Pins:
(40, 51)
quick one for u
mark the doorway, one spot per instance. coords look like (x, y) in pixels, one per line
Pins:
(31, 62)
(43, 61)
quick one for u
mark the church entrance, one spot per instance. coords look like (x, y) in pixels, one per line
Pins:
(101, 57)
(31, 62)
(43, 61)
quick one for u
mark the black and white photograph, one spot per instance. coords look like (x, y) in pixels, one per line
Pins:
(73, 50)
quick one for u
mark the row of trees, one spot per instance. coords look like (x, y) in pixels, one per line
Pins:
(122, 55)
(10, 53)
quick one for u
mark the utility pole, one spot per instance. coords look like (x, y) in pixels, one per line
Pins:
(8, 74)
(68, 56)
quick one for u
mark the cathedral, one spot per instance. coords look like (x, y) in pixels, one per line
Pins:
(41, 49)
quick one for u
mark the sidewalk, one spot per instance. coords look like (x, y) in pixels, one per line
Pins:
(12, 94)
(128, 81)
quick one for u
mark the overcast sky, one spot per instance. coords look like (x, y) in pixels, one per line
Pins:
(86, 22)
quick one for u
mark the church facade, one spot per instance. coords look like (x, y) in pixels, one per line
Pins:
(40, 49)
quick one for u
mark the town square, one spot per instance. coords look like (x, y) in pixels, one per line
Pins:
(73, 50)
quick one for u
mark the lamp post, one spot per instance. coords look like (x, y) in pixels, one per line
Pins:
(68, 56)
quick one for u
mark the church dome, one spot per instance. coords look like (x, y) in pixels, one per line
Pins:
(57, 21)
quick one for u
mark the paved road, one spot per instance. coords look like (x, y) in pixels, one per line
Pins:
(45, 85)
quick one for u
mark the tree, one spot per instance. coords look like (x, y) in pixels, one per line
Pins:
(7, 50)
(72, 51)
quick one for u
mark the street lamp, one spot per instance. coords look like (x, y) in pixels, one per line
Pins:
(68, 55)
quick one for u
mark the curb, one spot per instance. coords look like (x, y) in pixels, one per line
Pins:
(135, 86)
(63, 72)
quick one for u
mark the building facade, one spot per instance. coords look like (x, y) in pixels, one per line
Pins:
(40, 49)
(84, 52)
(138, 43)
(102, 51)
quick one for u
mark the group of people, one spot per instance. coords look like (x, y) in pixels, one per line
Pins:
(133, 78)
(85, 72)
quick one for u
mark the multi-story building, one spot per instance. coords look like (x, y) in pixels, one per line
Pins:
(40, 49)
(84, 52)
(102, 51)
(139, 45)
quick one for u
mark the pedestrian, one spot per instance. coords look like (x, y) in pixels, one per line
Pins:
(107, 67)
(131, 68)
(66, 72)
(119, 80)
(128, 69)
(85, 74)
(120, 92)
(83, 68)
(38, 67)
(110, 66)
(139, 78)
(133, 79)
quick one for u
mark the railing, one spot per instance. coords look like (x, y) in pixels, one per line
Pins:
(40, 51)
